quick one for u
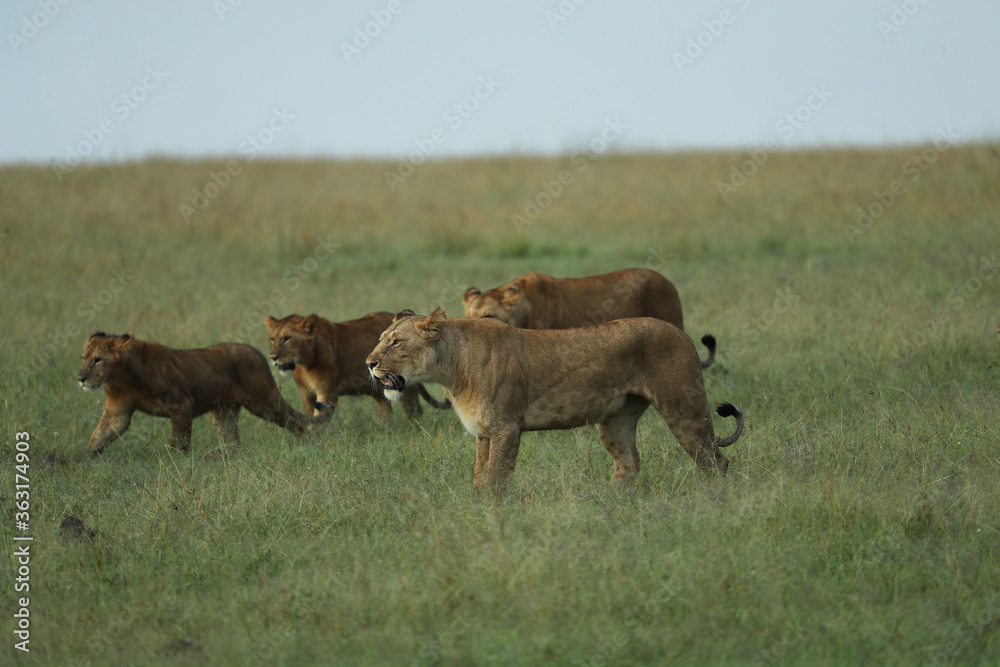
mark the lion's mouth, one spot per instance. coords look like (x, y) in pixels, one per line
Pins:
(286, 366)
(394, 382)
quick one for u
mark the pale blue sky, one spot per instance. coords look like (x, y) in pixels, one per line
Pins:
(198, 81)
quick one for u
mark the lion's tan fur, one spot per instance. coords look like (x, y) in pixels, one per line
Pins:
(539, 301)
(503, 381)
(182, 384)
(329, 360)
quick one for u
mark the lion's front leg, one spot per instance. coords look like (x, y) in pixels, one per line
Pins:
(503, 449)
(114, 422)
(308, 400)
(180, 435)
(482, 458)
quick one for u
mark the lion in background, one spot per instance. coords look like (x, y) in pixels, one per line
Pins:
(181, 385)
(539, 301)
(503, 381)
(327, 360)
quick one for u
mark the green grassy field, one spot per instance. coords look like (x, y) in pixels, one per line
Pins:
(859, 523)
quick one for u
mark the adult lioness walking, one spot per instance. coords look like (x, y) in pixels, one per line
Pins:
(503, 381)
(183, 384)
(539, 301)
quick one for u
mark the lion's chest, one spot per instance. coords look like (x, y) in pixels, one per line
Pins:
(470, 416)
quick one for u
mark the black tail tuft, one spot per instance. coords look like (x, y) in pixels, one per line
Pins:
(730, 410)
(708, 340)
(727, 410)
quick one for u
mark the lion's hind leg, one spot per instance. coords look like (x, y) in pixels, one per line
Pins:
(690, 421)
(227, 423)
(275, 409)
(618, 435)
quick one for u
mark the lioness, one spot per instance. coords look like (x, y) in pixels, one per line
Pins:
(503, 381)
(327, 360)
(183, 384)
(539, 301)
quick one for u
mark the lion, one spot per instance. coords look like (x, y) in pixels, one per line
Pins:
(327, 360)
(539, 301)
(503, 381)
(183, 384)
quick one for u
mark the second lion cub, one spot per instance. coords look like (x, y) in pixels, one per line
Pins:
(327, 360)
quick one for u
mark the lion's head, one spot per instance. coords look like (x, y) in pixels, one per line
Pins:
(293, 341)
(503, 303)
(405, 351)
(102, 358)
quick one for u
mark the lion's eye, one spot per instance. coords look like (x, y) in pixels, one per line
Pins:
(98, 360)
(395, 343)
(489, 317)
(285, 339)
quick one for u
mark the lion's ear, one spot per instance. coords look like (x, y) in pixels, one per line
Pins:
(406, 312)
(430, 328)
(513, 293)
(270, 322)
(97, 334)
(309, 324)
(123, 343)
(469, 293)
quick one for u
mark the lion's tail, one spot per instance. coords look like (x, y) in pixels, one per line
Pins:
(445, 405)
(730, 410)
(708, 340)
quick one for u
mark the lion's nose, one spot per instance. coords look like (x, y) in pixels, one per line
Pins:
(372, 364)
(274, 357)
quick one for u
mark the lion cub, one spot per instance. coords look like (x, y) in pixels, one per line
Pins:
(327, 360)
(539, 301)
(181, 385)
